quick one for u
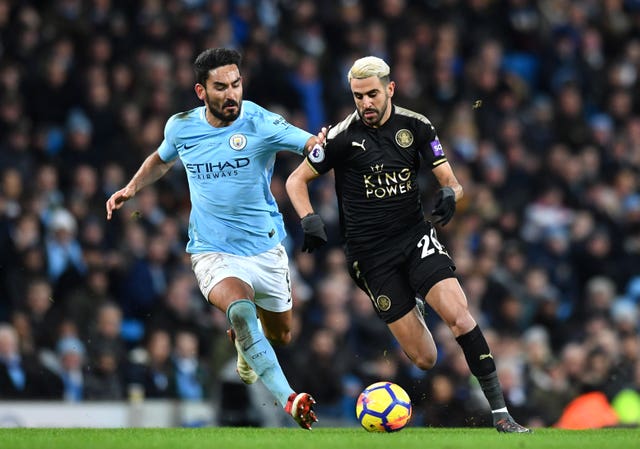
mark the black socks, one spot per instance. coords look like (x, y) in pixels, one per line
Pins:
(480, 361)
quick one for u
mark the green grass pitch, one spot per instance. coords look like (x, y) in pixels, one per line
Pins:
(338, 438)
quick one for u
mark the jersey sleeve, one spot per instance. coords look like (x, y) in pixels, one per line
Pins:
(323, 159)
(283, 135)
(167, 149)
(431, 149)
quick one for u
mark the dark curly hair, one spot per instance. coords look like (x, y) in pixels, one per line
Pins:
(213, 58)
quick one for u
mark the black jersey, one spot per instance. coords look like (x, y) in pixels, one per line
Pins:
(376, 174)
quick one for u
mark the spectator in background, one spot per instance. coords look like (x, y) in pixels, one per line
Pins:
(26, 340)
(444, 407)
(72, 356)
(105, 333)
(571, 127)
(192, 375)
(15, 151)
(369, 335)
(600, 293)
(104, 381)
(23, 376)
(307, 82)
(65, 262)
(55, 76)
(155, 372)
(12, 190)
(143, 284)
(181, 309)
(79, 149)
(84, 303)
(84, 193)
(43, 313)
(47, 193)
(323, 368)
(22, 259)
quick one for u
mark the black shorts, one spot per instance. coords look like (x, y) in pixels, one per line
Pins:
(394, 273)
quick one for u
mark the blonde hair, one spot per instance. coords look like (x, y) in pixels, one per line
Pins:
(369, 66)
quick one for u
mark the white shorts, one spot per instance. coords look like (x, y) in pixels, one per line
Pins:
(267, 273)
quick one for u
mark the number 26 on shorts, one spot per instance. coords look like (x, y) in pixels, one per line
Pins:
(430, 245)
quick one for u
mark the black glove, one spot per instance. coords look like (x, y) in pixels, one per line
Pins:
(315, 234)
(445, 206)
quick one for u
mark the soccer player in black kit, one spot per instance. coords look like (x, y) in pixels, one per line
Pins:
(392, 251)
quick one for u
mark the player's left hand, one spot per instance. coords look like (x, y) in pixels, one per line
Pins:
(445, 206)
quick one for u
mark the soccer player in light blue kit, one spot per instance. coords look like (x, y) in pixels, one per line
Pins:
(228, 148)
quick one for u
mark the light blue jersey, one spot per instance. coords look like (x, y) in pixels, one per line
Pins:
(229, 171)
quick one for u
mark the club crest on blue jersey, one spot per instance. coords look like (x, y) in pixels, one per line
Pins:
(404, 138)
(238, 141)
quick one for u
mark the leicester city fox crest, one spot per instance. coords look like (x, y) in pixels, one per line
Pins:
(383, 302)
(404, 138)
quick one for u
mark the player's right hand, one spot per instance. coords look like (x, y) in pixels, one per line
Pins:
(320, 139)
(315, 233)
(118, 199)
(322, 135)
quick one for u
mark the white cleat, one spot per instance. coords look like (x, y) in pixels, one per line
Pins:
(246, 373)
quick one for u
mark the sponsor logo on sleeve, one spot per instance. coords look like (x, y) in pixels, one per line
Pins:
(436, 147)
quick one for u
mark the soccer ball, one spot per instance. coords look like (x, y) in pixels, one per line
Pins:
(383, 407)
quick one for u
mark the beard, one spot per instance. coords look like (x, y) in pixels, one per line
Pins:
(220, 113)
(374, 120)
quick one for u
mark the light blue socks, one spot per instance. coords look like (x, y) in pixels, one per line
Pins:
(256, 349)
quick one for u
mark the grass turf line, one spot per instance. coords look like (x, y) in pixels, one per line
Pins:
(338, 438)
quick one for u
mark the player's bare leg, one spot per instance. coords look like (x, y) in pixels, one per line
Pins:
(416, 340)
(276, 326)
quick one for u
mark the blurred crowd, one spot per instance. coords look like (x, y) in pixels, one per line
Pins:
(537, 104)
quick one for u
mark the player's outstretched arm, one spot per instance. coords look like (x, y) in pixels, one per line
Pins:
(315, 233)
(298, 190)
(152, 169)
